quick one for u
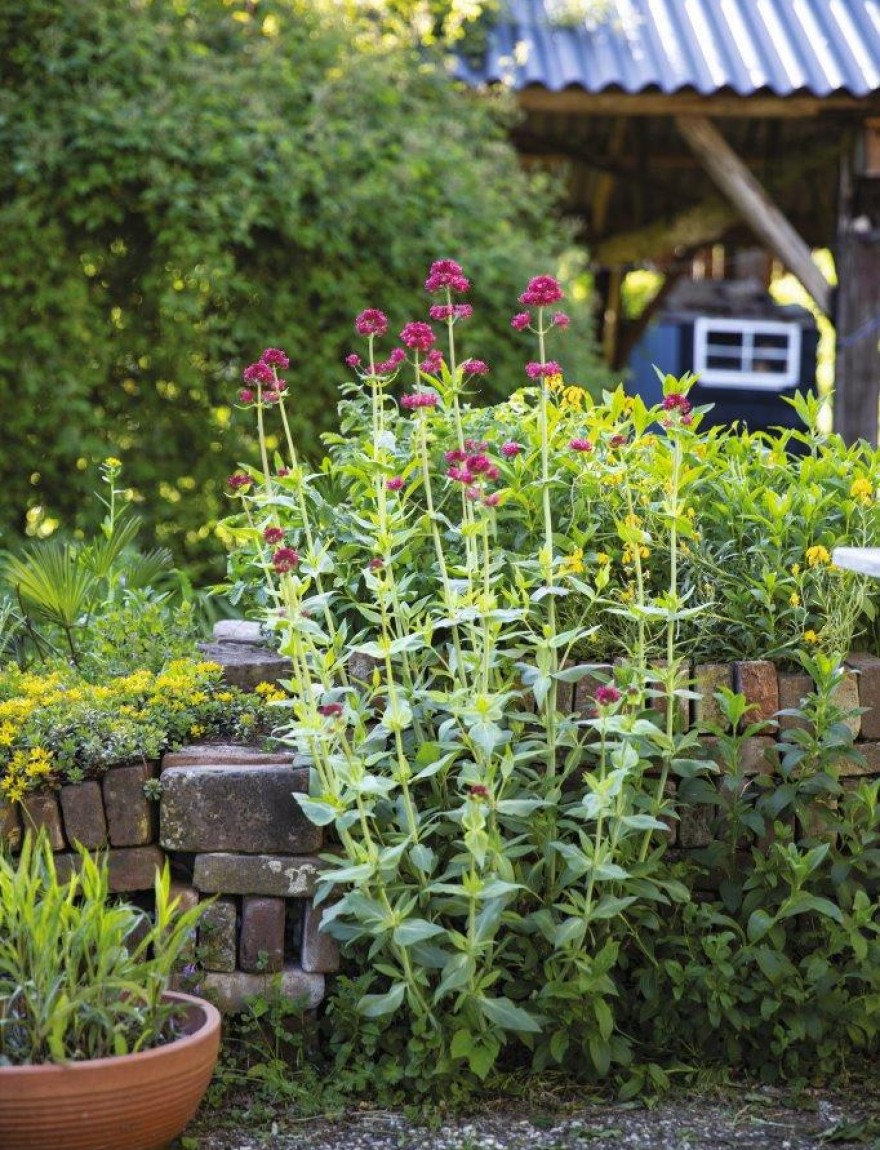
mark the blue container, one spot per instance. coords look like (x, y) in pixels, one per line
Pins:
(747, 351)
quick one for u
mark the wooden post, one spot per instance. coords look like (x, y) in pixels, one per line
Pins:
(754, 205)
(857, 365)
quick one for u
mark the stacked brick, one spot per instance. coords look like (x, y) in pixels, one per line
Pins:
(232, 813)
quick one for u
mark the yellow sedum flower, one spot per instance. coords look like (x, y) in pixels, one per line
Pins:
(862, 490)
(811, 637)
(818, 556)
(794, 599)
(572, 564)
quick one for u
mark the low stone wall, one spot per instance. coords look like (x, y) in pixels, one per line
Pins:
(229, 824)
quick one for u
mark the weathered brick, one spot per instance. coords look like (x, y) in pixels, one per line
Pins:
(245, 666)
(794, 686)
(236, 808)
(261, 943)
(320, 952)
(131, 816)
(233, 991)
(226, 754)
(218, 935)
(277, 876)
(868, 667)
(83, 811)
(360, 668)
(756, 679)
(695, 824)
(10, 826)
(41, 810)
(846, 696)
(709, 678)
(868, 767)
(130, 868)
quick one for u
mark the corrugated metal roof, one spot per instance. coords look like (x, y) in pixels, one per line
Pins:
(816, 47)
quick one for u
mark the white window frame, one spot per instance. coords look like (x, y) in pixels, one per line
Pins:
(743, 375)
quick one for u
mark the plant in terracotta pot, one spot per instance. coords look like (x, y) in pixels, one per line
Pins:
(95, 1052)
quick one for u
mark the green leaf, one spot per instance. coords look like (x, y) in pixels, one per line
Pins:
(378, 1005)
(415, 930)
(508, 1016)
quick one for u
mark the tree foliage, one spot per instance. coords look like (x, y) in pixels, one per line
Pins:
(187, 181)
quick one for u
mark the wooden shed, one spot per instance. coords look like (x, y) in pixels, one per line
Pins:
(682, 126)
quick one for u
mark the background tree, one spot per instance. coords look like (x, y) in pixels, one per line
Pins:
(187, 181)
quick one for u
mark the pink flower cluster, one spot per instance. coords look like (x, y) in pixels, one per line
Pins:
(285, 559)
(679, 409)
(474, 469)
(394, 483)
(263, 375)
(541, 291)
(273, 535)
(443, 312)
(475, 367)
(447, 274)
(585, 445)
(537, 370)
(392, 363)
(415, 400)
(607, 696)
(510, 449)
(419, 336)
(371, 321)
(239, 481)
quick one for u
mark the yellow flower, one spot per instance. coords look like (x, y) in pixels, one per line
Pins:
(196, 731)
(796, 569)
(627, 594)
(818, 556)
(794, 599)
(862, 490)
(572, 564)
(555, 382)
(271, 692)
(574, 397)
(602, 558)
(811, 637)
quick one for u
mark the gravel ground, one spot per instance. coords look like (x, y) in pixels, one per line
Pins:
(748, 1119)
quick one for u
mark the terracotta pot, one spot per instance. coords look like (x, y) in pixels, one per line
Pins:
(134, 1102)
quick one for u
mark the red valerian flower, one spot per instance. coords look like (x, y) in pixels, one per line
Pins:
(510, 449)
(353, 360)
(617, 441)
(376, 564)
(607, 696)
(476, 445)
(455, 456)
(675, 401)
(541, 291)
(475, 367)
(521, 321)
(419, 336)
(442, 312)
(239, 481)
(492, 500)
(285, 559)
(479, 791)
(246, 395)
(394, 483)
(536, 370)
(274, 356)
(581, 445)
(418, 399)
(331, 710)
(392, 363)
(273, 535)
(432, 362)
(446, 274)
(371, 321)
(260, 373)
(560, 319)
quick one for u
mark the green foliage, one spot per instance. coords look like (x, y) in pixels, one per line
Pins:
(182, 178)
(82, 976)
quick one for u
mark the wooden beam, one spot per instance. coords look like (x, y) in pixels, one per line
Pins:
(579, 102)
(754, 205)
(601, 199)
(704, 222)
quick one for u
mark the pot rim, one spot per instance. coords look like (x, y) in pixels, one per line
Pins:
(209, 1023)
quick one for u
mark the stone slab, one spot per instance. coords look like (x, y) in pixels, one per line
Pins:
(251, 809)
(10, 827)
(131, 868)
(756, 679)
(709, 678)
(320, 952)
(846, 696)
(131, 816)
(273, 875)
(218, 936)
(261, 942)
(245, 666)
(232, 992)
(226, 754)
(868, 767)
(794, 686)
(42, 810)
(83, 809)
(239, 631)
(868, 667)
